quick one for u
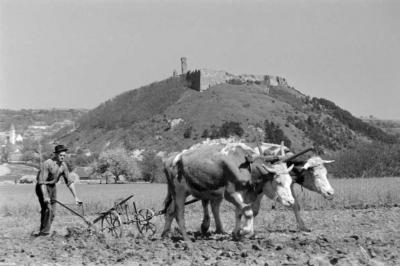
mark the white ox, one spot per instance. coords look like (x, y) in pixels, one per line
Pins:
(311, 174)
(213, 171)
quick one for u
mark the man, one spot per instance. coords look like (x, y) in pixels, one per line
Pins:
(47, 178)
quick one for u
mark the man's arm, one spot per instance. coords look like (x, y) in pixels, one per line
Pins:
(70, 184)
(43, 175)
(73, 191)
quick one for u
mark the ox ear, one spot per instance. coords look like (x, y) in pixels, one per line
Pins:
(328, 161)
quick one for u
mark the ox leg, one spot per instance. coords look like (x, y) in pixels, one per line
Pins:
(296, 209)
(205, 224)
(255, 206)
(180, 214)
(238, 217)
(169, 207)
(236, 199)
(169, 217)
(215, 205)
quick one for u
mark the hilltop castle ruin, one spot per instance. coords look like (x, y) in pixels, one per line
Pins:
(206, 78)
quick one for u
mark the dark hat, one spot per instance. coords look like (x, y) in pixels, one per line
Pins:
(60, 148)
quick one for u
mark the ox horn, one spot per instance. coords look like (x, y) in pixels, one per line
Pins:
(259, 148)
(264, 170)
(282, 148)
(297, 155)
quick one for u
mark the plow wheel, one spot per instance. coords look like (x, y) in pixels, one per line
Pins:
(111, 224)
(145, 227)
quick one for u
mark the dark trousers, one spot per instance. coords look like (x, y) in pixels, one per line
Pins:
(47, 209)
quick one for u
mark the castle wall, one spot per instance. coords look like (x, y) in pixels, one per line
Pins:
(209, 78)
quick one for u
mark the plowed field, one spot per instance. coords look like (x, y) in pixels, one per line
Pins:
(355, 236)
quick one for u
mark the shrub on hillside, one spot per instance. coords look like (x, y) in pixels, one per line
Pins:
(324, 133)
(230, 128)
(214, 132)
(188, 132)
(227, 129)
(273, 134)
(205, 133)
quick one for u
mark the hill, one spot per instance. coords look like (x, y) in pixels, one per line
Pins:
(24, 118)
(170, 115)
(389, 126)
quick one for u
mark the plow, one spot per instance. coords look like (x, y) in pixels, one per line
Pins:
(123, 213)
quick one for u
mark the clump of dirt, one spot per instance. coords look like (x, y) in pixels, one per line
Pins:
(85, 233)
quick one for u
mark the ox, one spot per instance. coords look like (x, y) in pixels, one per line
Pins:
(310, 174)
(211, 172)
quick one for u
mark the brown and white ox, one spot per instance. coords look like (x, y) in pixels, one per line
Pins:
(310, 174)
(211, 172)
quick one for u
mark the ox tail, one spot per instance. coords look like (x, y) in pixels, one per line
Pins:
(172, 171)
(169, 207)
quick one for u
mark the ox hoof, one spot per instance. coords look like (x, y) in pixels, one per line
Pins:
(166, 234)
(220, 232)
(202, 234)
(236, 236)
(247, 233)
(204, 230)
(250, 235)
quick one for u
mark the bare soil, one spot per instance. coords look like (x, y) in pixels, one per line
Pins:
(338, 237)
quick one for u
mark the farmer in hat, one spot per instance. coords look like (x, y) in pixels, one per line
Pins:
(47, 178)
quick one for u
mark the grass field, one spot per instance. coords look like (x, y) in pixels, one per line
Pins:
(349, 193)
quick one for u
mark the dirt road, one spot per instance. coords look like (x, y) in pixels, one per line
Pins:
(339, 237)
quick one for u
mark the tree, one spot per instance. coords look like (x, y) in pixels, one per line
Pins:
(274, 134)
(230, 128)
(188, 132)
(205, 133)
(151, 167)
(117, 162)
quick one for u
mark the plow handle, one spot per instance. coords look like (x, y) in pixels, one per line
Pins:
(89, 223)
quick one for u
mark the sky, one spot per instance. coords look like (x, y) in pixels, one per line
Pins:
(80, 53)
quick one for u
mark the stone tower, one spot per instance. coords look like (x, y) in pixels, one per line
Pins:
(184, 65)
